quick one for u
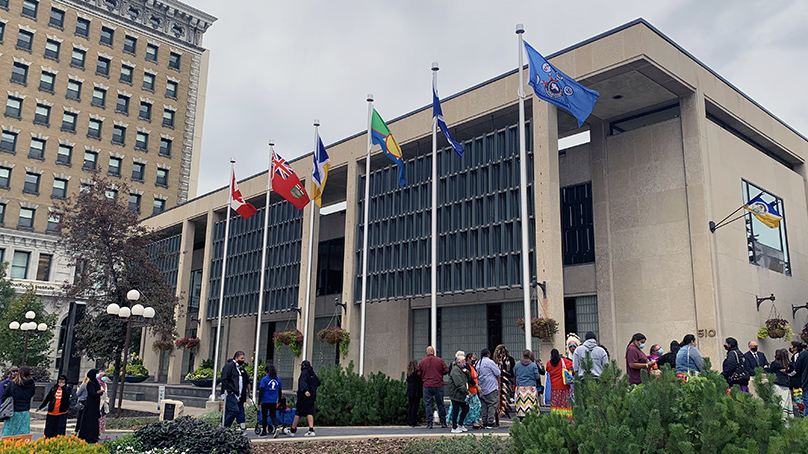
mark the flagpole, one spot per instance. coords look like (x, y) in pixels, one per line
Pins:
(263, 270)
(224, 268)
(520, 29)
(365, 244)
(433, 311)
(311, 255)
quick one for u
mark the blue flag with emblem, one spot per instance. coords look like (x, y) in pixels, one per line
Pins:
(437, 115)
(555, 87)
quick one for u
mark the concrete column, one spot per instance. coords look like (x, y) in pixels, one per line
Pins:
(547, 206)
(204, 326)
(303, 282)
(703, 250)
(183, 283)
(351, 320)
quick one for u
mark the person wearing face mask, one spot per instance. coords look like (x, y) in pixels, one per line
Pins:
(58, 402)
(235, 389)
(88, 426)
(636, 360)
(103, 405)
(734, 370)
(754, 359)
(655, 353)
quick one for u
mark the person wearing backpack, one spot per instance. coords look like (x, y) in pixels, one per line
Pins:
(734, 369)
(599, 357)
(21, 391)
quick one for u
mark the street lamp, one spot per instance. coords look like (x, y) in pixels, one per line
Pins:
(137, 310)
(27, 327)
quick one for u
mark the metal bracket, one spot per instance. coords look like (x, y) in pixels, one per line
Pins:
(794, 310)
(761, 300)
(542, 285)
(298, 310)
(344, 305)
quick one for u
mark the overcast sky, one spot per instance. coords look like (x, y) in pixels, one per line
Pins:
(275, 66)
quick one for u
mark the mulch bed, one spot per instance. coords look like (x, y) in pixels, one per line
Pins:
(372, 446)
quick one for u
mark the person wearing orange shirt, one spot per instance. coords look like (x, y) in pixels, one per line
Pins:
(58, 402)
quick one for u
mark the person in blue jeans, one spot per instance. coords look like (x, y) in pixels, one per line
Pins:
(235, 390)
(268, 392)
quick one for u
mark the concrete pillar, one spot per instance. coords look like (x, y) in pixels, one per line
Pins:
(206, 340)
(350, 266)
(313, 231)
(547, 206)
(703, 250)
(175, 373)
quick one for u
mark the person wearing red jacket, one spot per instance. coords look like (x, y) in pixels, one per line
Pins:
(432, 369)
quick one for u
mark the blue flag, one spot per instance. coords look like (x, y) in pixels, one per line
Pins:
(437, 115)
(555, 87)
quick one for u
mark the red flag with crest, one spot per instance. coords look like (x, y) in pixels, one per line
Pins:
(286, 183)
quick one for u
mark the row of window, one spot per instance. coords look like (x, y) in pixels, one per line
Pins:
(42, 116)
(30, 9)
(19, 265)
(32, 179)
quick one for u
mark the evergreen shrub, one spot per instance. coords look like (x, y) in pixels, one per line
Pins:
(664, 415)
(193, 436)
(347, 399)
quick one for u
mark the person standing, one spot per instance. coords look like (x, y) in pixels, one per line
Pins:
(795, 378)
(688, 358)
(268, 391)
(506, 364)
(235, 388)
(458, 392)
(475, 405)
(415, 392)
(527, 375)
(573, 341)
(7, 380)
(560, 392)
(598, 355)
(58, 403)
(88, 426)
(669, 357)
(754, 359)
(21, 390)
(103, 404)
(734, 367)
(432, 369)
(81, 399)
(306, 396)
(780, 367)
(488, 374)
(636, 359)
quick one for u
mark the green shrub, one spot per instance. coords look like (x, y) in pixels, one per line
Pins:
(347, 399)
(130, 423)
(214, 418)
(126, 444)
(469, 444)
(193, 436)
(662, 415)
(131, 369)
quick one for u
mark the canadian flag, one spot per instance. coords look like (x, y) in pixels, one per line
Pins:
(237, 202)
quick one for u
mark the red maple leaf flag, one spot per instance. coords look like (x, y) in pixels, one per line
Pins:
(286, 183)
(237, 203)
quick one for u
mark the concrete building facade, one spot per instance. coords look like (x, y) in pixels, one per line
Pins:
(619, 224)
(114, 87)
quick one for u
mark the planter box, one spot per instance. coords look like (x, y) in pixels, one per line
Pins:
(207, 383)
(136, 378)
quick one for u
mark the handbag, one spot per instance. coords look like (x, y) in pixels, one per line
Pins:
(741, 372)
(568, 377)
(7, 409)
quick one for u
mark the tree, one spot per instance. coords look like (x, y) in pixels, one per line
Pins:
(12, 309)
(110, 250)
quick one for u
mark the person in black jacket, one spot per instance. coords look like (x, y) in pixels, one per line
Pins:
(88, 426)
(670, 357)
(58, 402)
(734, 363)
(235, 390)
(415, 391)
(21, 389)
(306, 395)
(754, 359)
(780, 367)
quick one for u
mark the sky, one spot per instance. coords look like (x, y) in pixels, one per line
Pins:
(275, 66)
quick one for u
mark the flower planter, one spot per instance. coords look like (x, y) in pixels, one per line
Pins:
(777, 333)
(136, 378)
(204, 383)
(540, 328)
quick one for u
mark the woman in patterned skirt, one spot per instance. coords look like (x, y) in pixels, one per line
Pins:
(506, 364)
(560, 393)
(527, 376)
(21, 390)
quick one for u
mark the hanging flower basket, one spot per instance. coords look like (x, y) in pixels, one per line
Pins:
(188, 343)
(541, 327)
(162, 345)
(776, 327)
(291, 337)
(334, 335)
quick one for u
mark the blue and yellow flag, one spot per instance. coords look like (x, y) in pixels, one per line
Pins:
(319, 172)
(765, 212)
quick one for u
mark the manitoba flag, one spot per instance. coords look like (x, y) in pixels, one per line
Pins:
(286, 183)
(237, 202)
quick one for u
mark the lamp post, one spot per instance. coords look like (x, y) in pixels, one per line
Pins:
(137, 310)
(27, 327)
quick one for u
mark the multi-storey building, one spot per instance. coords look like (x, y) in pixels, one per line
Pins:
(620, 224)
(100, 85)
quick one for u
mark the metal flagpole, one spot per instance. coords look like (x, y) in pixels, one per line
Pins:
(365, 243)
(433, 311)
(311, 255)
(224, 268)
(263, 270)
(520, 29)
